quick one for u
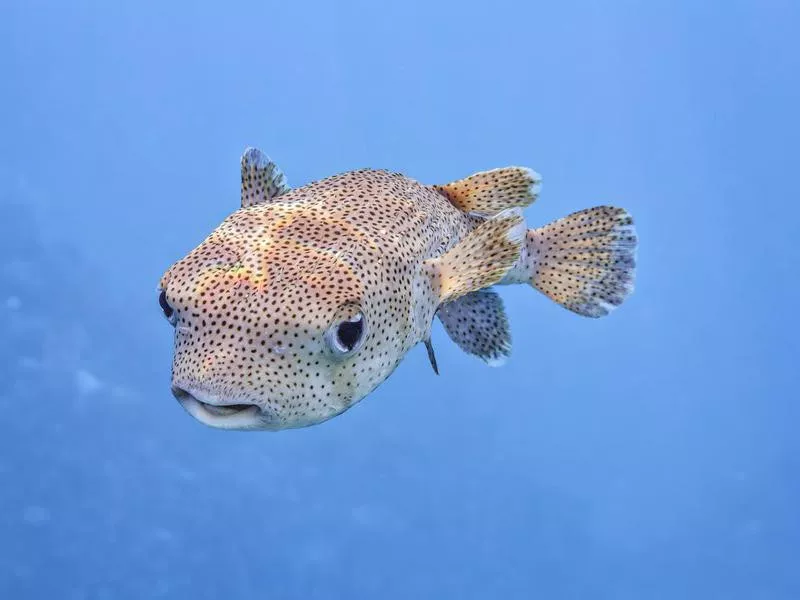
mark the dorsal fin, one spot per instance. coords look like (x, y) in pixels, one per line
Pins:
(490, 192)
(262, 179)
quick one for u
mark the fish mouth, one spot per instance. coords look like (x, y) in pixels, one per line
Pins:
(221, 416)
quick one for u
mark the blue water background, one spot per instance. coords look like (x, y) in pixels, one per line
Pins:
(650, 455)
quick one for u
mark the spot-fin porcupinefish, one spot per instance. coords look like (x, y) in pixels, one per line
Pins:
(304, 300)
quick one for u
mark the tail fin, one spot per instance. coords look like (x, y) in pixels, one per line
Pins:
(586, 262)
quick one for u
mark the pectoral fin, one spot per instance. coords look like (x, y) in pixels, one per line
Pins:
(262, 179)
(477, 323)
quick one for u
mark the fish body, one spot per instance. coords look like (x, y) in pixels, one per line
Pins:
(304, 300)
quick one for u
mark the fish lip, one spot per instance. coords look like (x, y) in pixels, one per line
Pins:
(222, 416)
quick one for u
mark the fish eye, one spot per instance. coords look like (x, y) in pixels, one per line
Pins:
(169, 312)
(345, 336)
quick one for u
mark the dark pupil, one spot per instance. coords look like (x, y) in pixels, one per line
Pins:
(349, 333)
(162, 300)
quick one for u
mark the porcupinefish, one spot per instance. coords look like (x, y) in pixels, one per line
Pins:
(304, 300)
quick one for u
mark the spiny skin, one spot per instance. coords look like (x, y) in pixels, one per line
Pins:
(254, 300)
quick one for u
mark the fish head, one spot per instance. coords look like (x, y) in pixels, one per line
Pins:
(281, 320)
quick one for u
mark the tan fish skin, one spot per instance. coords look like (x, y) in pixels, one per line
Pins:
(304, 300)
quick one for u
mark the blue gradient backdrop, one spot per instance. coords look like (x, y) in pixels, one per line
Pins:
(650, 455)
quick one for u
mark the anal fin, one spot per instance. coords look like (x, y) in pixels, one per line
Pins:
(479, 260)
(477, 322)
